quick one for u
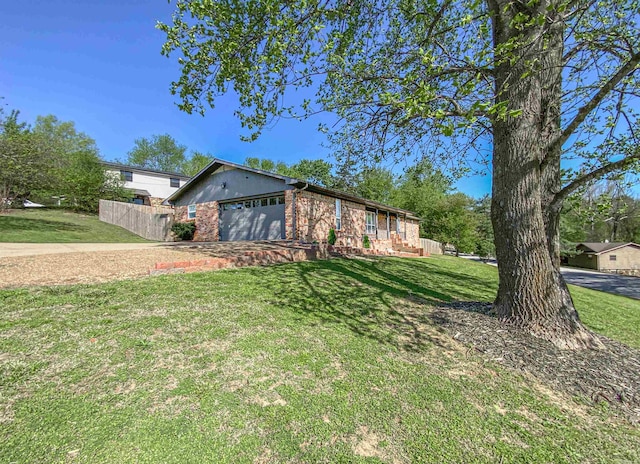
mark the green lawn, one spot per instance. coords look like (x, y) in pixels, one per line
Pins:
(59, 226)
(327, 361)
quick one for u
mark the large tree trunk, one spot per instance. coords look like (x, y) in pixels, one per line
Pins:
(532, 293)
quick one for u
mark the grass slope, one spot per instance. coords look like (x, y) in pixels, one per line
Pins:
(59, 226)
(328, 361)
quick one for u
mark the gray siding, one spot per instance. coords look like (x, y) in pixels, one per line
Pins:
(238, 184)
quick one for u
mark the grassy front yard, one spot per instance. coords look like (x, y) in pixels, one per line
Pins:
(59, 226)
(328, 361)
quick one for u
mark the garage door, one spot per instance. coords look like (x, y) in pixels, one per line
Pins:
(253, 219)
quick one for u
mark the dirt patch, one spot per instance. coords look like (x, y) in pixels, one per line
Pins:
(610, 375)
(91, 267)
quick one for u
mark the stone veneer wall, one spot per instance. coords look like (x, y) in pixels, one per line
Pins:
(155, 201)
(413, 233)
(316, 214)
(289, 232)
(206, 220)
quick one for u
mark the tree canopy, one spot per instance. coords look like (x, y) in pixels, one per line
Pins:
(160, 152)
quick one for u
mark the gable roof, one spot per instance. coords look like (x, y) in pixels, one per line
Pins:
(127, 167)
(598, 248)
(300, 184)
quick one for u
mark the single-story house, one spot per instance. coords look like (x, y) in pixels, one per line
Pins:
(148, 186)
(610, 257)
(229, 202)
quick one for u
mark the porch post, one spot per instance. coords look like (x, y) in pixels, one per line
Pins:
(388, 226)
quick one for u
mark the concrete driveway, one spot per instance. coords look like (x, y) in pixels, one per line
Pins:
(602, 281)
(8, 250)
(610, 283)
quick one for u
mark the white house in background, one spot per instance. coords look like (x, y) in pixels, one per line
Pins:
(149, 186)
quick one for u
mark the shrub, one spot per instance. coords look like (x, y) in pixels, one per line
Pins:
(366, 243)
(332, 237)
(184, 230)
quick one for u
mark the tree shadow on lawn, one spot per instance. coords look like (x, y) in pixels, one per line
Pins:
(18, 224)
(385, 300)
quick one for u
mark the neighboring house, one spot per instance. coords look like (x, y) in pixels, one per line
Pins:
(610, 257)
(149, 187)
(231, 202)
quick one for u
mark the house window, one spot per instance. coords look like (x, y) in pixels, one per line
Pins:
(127, 176)
(191, 211)
(338, 214)
(174, 182)
(371, 222)
(273, 201)
(612, 257)
(398, 225)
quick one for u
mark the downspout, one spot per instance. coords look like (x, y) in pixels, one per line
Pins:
(294, 207)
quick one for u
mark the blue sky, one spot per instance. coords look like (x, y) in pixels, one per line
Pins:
(98, 63)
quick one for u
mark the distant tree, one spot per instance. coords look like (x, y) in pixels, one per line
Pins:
(74, 167)
(160, 152)
(421, 189)
(454, 221)
(196, 163)
(484, 237)
(317, 172)
(376, 183)
(24, 162)
(52, 159)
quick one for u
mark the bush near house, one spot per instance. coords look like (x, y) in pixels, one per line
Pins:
(332, 237)
(184, 230)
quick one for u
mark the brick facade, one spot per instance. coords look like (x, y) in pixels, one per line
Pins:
(316, 215)
(206, 220)
(289, 215)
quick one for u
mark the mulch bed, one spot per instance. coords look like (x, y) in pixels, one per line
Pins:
(611, 374)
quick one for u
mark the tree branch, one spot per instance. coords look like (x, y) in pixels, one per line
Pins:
(593, 175)
(583, 112)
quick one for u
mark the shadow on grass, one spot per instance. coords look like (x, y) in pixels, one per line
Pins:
(387, 300)
(17, 224)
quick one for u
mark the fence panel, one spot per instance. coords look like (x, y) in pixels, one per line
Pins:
(431, 246)
(150, 222)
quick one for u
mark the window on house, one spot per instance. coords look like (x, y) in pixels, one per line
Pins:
(281, 200)
(174, 182)
(127, 176)
(273, 201)
(612, 257)
(247, 204)
(371, 222)
(338, 214)
(191, 211)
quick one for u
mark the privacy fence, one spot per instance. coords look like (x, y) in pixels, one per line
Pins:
(150, 222)
(431, 246)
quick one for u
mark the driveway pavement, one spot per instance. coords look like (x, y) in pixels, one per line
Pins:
(610, 283)
(8, 250)
(602, 281)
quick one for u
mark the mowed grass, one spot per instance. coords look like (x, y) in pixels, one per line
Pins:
(327, 361)
(60, 226)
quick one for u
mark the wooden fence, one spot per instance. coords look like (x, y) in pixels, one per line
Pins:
(150, 222)
(431, 246)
